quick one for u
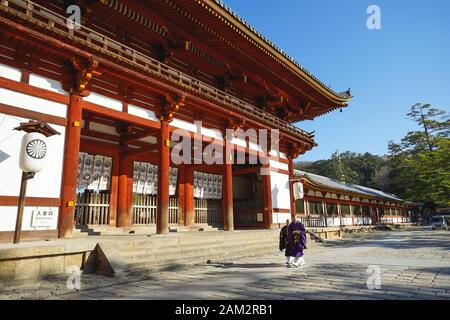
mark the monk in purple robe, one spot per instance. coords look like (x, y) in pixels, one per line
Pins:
(284, 243)
(297, 242)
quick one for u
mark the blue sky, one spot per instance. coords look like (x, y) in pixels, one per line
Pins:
(388, 70)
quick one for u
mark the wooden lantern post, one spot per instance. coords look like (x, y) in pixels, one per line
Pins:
(34, 149)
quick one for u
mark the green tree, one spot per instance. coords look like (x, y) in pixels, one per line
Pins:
(347, 167)
(419, 165)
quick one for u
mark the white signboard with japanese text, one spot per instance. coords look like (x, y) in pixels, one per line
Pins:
(43, 217)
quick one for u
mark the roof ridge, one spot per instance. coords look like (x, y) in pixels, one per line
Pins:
(359, 188)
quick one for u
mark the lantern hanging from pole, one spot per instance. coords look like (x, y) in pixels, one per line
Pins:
(33, 153)
(298, 190)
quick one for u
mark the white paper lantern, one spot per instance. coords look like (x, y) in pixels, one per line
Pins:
(298, 190)
(33, 152)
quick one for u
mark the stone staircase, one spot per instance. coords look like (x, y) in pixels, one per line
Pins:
(99, 230)
(172, 251)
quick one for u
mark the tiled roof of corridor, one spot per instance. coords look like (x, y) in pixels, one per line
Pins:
(346, 187)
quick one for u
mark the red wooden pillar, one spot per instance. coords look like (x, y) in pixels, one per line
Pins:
(162, 217)
(189, 208)
(228, 221)
(114, 190)
(267, 198)
(181, 196)
(124, 199)
(70, 166)
(291, 189)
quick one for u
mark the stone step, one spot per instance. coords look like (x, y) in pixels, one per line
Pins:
(181, 250)
(77, 233)
(108, 230)
(167, 244)
(155, 247)
(166, 251)
(100, 230)
(196, 243)
(199, 257)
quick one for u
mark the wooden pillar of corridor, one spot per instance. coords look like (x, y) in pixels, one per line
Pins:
(268, 219)
(125, 196)
(162, 213)
(169, 105)
(70, 166)
(81, 75)
(227, 184)
(189, 204)
(227, 193)
(124, 216)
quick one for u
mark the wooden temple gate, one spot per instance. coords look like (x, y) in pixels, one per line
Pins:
(127, 77)
(248, 203)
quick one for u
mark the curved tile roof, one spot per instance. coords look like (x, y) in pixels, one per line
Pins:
(346, 187)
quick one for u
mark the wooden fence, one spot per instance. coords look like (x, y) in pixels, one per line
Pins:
(145, 208)
(209, 211)
(92, 208)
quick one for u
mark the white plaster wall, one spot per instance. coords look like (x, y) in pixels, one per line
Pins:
(9, 213)
(141, 112)
(28, 102)
(46, 83)
(279, 183)
(149, 139)
(188, 126)
(281, 218)
(104, 101)
(10, 72)
(278, 165)
(213, 133)
(46, 183)
(279, 154)
(100, 127)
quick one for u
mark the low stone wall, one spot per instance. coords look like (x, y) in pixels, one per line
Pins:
(327, 233)
(36, 261)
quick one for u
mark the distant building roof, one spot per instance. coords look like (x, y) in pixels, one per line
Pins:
(329, 183)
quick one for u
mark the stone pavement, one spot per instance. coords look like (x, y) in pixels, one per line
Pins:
(413, 264)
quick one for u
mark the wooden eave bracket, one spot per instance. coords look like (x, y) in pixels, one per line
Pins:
(170, 103)
(85, 71)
